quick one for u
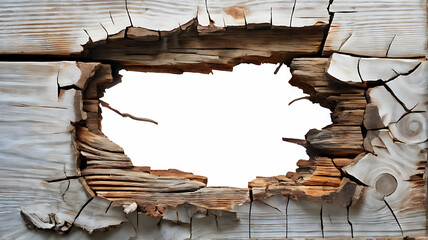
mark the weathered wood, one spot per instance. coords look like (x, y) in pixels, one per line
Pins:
(63, 30)
(378, 29)
(348, 188)
(41, 179)
(213, 226)
(344, 137)
(359, 69)
(187, 50)
(268, 218)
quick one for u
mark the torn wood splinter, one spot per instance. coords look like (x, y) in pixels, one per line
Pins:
(106, 105)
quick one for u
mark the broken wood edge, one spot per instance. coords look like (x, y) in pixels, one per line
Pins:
(337, 195)
(151, 37)
(347, 193)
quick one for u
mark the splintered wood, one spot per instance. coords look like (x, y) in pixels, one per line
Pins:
(61, 177)
(186, 49)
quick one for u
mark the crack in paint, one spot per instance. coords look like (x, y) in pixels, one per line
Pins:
(249, 219)
(90, 39)
(108, 208)
(349, 220)
(68, 185)
(343, 43)
(111, 17)
(292, 12)
(322, 223)
(389, 45)
(191, 232)
(208, 13)
(359, 70)
(286, 218)
(395, 217)
(396, 97)
(127, 12)
(271, 206)
(403, 74)
(81, 209)
(64, 179)
(104, 30)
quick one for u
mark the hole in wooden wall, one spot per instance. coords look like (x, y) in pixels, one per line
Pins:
(227, 126)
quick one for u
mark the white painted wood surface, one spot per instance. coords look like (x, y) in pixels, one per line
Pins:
(268, 218)
(304, 219)
(61, 27)
(335, 221)
(370, 216)
(226, 226)
(383, 28)
(349, 68)
(36, 147)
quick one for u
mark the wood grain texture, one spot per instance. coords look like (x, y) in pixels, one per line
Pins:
(366, 172)
(343, 138)
(187, 49)
(378, 29)
(61, 27)
(44, 167)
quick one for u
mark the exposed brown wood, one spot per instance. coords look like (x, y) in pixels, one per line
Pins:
(184, 49)
(347, 102)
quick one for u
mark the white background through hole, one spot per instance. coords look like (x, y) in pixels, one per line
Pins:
(227, 126)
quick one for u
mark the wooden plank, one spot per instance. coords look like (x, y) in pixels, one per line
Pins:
(335, 221)
(44, 167)
(189, 50)
(304, 219)
(359, 69)
(148, 228)
(394, 193)
(213, 226)
(154, 203)
(61, 27)
(58, 27)
(378, 29)
(268, 218)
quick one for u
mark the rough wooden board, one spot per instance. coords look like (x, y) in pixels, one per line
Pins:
(45, 167)
(378, 29)
(277, 13)
(336, 141)
(268, 218)
(146, 181)
(359, 69)
(155, 203)
(252, 16)
(223, 226)
(57, 27)
(370, 216)
(61, 27)
(304, 219)
(344, 137)
(335, 221)
(402, 161)
(186, 49)
(148, 228)
(178, 173)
